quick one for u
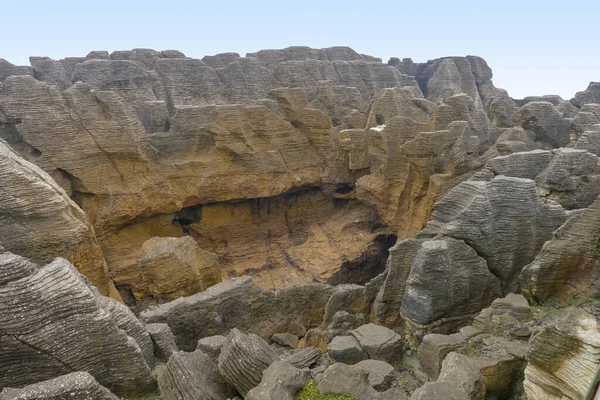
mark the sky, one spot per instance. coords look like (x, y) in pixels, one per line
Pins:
(534, 47)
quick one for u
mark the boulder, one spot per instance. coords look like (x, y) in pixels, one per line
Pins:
(346, 349)
(462, 372)
(381, 374)
(285, 339)
(434, 349)
(243, 360)
(349, 380)
(505, 314)
(304, 357)
(459, 379)
(193, 376)
(76, 385)
(212, 345)
(379, 342)
(176, 267)
(280, 381)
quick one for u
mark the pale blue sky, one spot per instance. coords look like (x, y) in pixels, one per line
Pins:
(534, 47)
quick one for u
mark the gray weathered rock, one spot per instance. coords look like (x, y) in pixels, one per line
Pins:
(546, 122)
(514, 222)
(347, 380)
(193, 376)
(7, 69)
(303, 357)
(243, 360)
(76, 385)
(379, 342)
(381, 374)
(238, 303)
(54, 323)
(504, 314)
(212, 345)
(346, 349)
(163, 339)
(463, 373)
(563, 357)
(566, 265)
(280, 381)
(590, 95)
(285, 339)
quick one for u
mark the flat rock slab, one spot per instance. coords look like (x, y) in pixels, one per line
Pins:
(379, 342)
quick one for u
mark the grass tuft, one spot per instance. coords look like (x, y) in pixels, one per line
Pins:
(310, 391)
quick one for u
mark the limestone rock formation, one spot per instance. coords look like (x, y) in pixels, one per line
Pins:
(346, 349)
(506, 209)
(541, 117)
(238, 303)
(54, 324)
(176, 267)
(76, 385)
(211, 345)
(164, 341)
(193, 375)
(243, 360)
(40, 222)
(567, 265)
(590, 95)
(460, 378)
(279, 381)
(157, 175)
(347, 380)
(563, 358)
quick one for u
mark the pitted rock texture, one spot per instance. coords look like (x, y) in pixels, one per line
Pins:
(75, 330)
(76, 385)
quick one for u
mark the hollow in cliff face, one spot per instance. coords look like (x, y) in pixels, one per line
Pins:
(299, 237)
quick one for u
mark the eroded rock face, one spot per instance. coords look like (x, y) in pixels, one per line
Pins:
(54, 323)
(280, 381)
(243, 360)
(190, 376)
(590, 95)
(177, 267)
(40, 222)
(76, 385)
(563, 358)
(238, 303)
(567, 264)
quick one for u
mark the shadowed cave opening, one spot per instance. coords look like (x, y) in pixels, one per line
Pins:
(293, 212)
(371, 264)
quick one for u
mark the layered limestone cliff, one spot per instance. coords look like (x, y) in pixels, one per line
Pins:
(291, 217)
